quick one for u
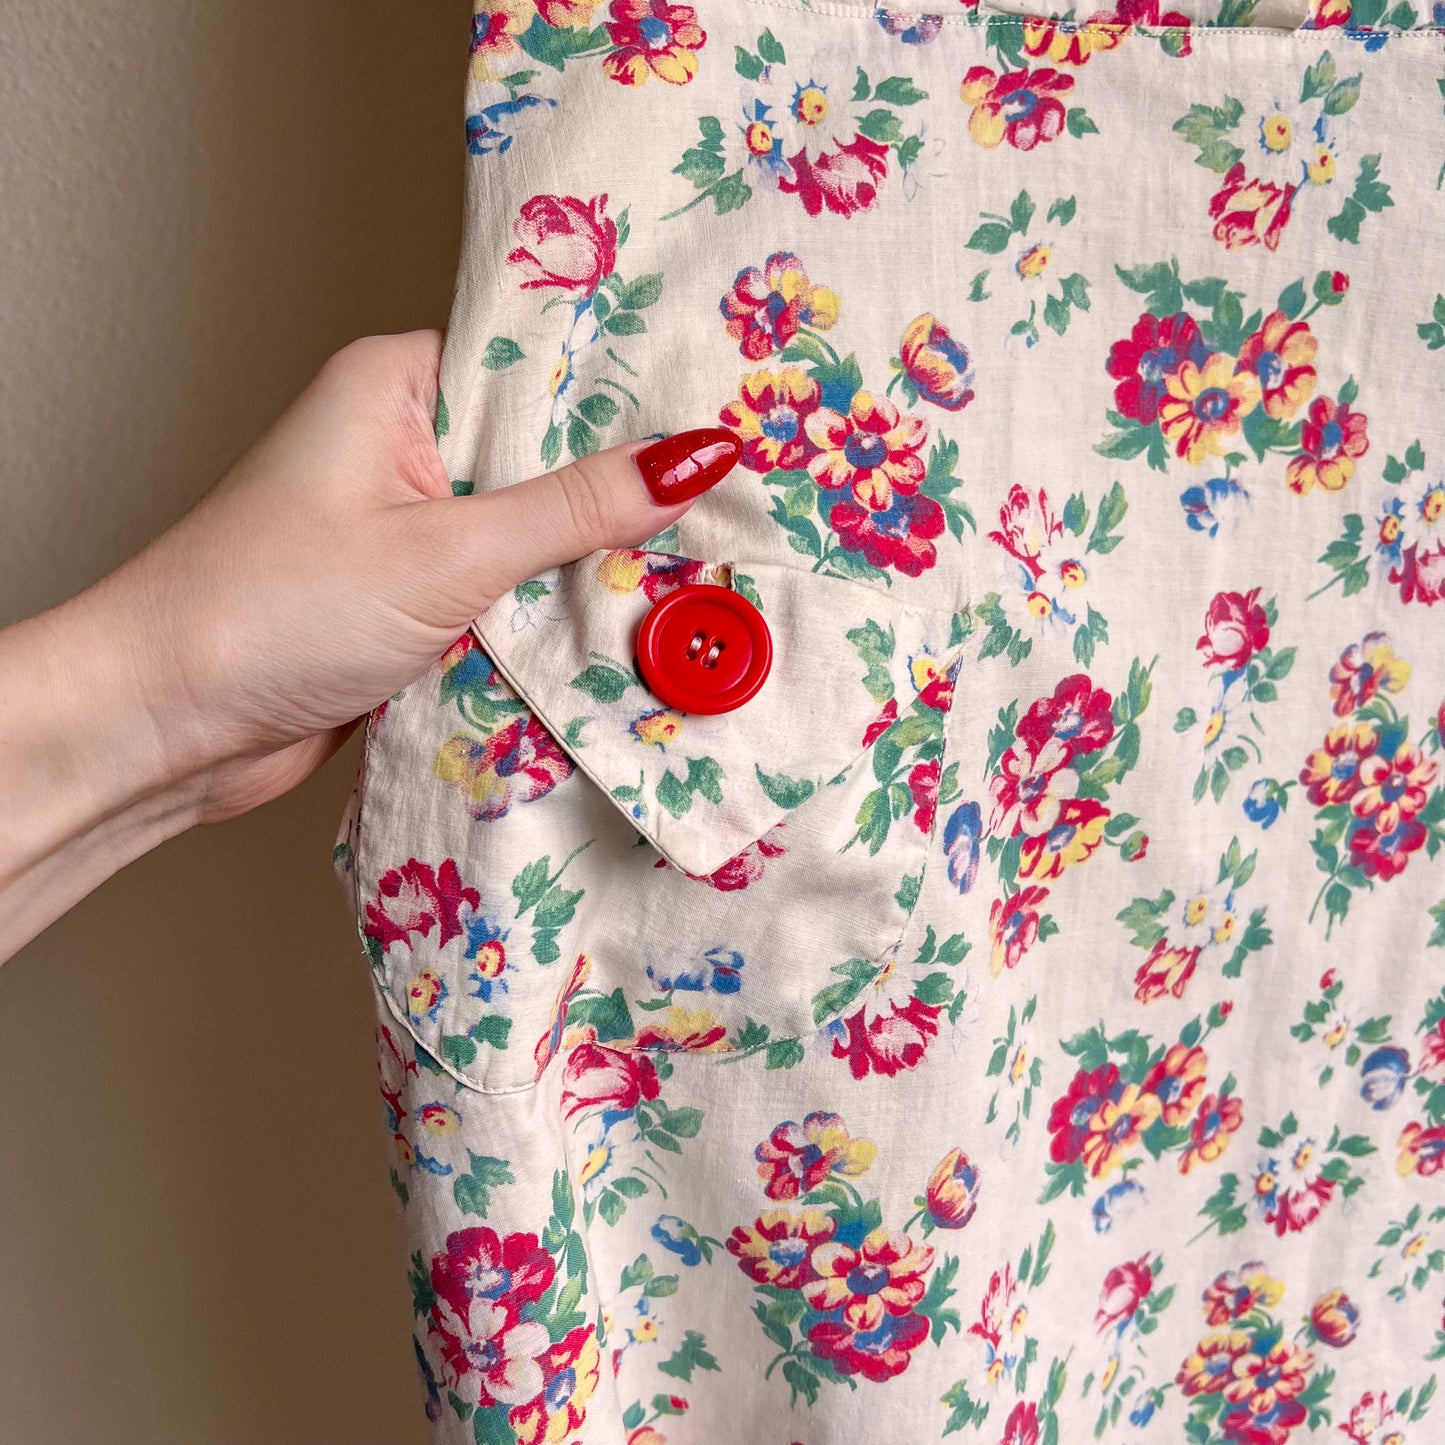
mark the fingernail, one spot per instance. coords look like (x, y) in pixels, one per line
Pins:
(684, 466)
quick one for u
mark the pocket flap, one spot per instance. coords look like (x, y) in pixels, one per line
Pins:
(699, 788)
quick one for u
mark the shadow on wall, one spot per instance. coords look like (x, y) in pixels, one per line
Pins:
(202, 201)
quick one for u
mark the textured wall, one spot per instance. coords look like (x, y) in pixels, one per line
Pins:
(198, 202)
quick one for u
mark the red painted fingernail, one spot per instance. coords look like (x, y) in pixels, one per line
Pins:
(684, 466)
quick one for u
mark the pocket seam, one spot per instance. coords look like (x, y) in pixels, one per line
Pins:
(905, 927)
(382, 976)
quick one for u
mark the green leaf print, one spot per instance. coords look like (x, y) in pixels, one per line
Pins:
(501, 352)
(604, 680)
(770, 50)
(783, 791)
(472, 1191)
(555, 45)
(692, 1354)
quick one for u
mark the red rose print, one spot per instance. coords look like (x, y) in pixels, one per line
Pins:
(888, 1043)
(845, 180)
(1022, 1425)
(881, 723)
(745, 867)
(566, 243)
(416, 898)
(1126, 1286)
(596, 1077)
(1249, 212)
(923, 783)
(1235, 628)
(1422, 575)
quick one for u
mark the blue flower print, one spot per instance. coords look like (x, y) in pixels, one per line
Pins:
(1115, 1204)
(961, 837)
(678, 1236)
(486, 949)
(1383, 1074)
(1265, 801)
(487, 129)
(719, 970)
(1212, 504)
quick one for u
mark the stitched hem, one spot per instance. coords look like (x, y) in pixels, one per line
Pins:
(841, 11)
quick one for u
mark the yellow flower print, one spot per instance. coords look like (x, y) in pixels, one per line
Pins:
(1321, 170)
(495, 49)
(1205, 406)
(819, 305)
(596, 1161)
(1209, 1367)
(1068, 43)
(657, 728)
(1276, 132)
(678, 1028)
(1034, 262)
(810, 104)
(1075, 834)
(1116, 1129)
(439, 1119)
(456, 762)
(797, 1158)
(424, 994)
(490, 959)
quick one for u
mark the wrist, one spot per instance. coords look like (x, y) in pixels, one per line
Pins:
(83, 753)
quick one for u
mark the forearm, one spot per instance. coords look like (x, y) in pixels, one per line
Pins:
(86, 780)
(229, 659)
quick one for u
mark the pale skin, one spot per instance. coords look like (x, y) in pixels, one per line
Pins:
(228, 660)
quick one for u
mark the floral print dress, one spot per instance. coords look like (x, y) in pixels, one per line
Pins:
(1024, 1021)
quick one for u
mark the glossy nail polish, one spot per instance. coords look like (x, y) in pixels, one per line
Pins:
(683, 466)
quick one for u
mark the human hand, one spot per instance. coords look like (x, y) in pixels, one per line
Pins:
(229, 659)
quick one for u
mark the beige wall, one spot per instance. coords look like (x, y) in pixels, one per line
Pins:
(198, 202)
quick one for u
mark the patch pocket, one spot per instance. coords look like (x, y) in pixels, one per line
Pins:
(547, 852)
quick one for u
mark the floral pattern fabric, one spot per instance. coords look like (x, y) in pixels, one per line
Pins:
(1024, 1021)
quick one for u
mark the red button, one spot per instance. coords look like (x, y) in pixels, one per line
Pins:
(704, 649)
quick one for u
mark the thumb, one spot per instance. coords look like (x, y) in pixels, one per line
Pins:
(614, 498)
